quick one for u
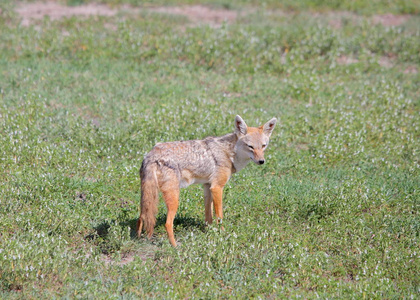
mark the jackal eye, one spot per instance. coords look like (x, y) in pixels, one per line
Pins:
(250, 147)
(264, 145)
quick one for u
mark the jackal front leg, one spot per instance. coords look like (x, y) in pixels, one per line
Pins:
(216, 190)
(208, 203)
(217, 194)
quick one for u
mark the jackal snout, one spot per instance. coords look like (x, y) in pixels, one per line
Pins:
(257, 155)
(258, 160)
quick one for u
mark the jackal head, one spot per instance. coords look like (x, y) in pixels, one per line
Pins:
(252, 141)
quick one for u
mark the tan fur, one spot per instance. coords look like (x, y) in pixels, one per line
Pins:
(211, 161)
(149, 201)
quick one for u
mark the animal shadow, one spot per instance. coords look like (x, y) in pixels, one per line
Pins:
(180, 221)
(100, 234)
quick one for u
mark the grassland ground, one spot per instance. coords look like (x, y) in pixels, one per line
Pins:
(334, 213)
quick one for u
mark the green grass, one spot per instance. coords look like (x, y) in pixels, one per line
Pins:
(333, 214)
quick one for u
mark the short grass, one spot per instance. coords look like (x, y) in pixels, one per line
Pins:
(333, 214)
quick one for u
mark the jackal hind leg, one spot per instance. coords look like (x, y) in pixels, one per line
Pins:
(208, 204)
(139, 227)
(171, 197)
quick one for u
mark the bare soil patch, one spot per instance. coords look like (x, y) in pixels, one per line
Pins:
(39, 10)
(383, 61)
(411, 70)
(200, 14)
(387, 62)
(197, 14)
(346, 60)
(127, 258)
(145, 253)
(390, 19)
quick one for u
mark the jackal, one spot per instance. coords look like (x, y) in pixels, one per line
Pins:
(211, 161)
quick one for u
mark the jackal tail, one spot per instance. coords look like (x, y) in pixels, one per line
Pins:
(149, 199)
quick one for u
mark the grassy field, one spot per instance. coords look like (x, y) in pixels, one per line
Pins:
(334, 213)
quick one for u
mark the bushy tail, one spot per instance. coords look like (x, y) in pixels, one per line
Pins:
(149, 199)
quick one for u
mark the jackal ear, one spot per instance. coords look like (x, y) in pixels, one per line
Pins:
(269, 126)
(240, 125)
